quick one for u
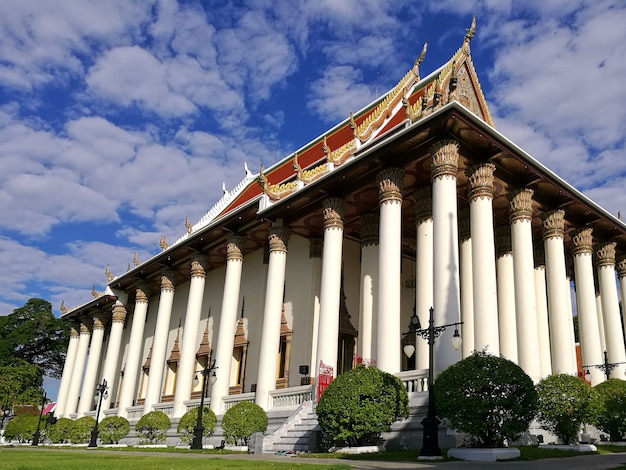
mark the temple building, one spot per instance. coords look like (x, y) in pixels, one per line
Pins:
(320, 261)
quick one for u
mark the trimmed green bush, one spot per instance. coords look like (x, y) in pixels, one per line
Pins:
(80, 432)
(488, 397)
(611, 417)
(361, 404)
(21, 428)
(113, 429)
(59, 432)
(153, 427)
(188, 422)
(243, 420)
(565, 404)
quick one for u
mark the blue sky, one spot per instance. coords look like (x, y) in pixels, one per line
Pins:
(119, 118)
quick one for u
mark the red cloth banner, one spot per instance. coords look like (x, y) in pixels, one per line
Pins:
(324, 378)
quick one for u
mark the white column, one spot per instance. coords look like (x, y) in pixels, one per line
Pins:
(600, 318)
(507, 322)
(486, 334)
(110, 369)
(588, 329)
(444, 165)
(78, 371)
(91, 372)
(159, 342)
(423, 268)
(328, 333)
(66, 377)
(223, 351)
(369, 284)
(467, 289)
(621, 274)
(315, 254)
(560, 320)
(135, 343)
(543, 327)
(605, 262)
(520, 216)
(270, 334)
(189, 346)
(389, 269)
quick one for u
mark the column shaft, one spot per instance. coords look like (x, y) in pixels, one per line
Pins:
(389, 266)
(223, 352)
(66, 377)
(543, 327)
(78, 371)
(270, 334)
(135, 343)
(423, 268)
(159, 348)
(189, 346)
(89, 383)
(467, 289)
(369, 283)
(507, 322)
(315, 254)
(110, 369)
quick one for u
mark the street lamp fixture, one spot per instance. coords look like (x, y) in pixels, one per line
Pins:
(606, 367)
(430, 446)
(198, 429)
(103, 391)
(37, 434)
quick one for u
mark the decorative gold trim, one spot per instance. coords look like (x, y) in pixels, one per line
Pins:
(119, 313)
(278, 238)
(553, 224)
(234, 248)
(390, 185)
(334, 210)
(621, 267)
(163, 243)
(275, 191)
(136, 261)
(168, 280)
(340, 155)
(108, 273)
(480, 179)
(582, 239)
(142, 292)
(188, 225)
(605, 254)
(198, 266)
(521, 205)
(63, 307)
(310, 175)
(445, 159)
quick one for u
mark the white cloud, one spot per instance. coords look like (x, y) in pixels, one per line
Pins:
(338, 93)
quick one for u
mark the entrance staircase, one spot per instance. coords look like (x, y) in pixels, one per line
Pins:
(299, 433)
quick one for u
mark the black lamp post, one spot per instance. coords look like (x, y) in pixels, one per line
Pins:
(103, 390)
(430, 446)
(606, 367)
(38, 431)
(198, 429)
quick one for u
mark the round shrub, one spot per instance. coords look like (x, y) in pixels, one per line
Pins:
(113, 429)
(243, 420)
(80, 432)
(490, 398)
(153, 427)
(188, 422)
(21, 428)
(59, 432)
(361, 404)
(611, 416)
(565, 404)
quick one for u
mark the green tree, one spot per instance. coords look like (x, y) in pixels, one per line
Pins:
(488, 397)
(611, 417)
(565, 404)
(188, 421)
(113, 429)
(153, 427)
(33, 334)
(361, 404)
(20, 383)
(243, 420)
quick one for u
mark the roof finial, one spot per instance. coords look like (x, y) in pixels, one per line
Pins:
(471, 32)
(188, 225)
(108, 273)
(422, 55)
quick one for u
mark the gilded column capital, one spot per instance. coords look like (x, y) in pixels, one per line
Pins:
(98, 323)
(521, 205)
(582, 239)
(198, 266)
(423, 204)
(480, 178)
(504, 244)
(168, 279)
(316, 245)
(142, 292)
(74, 330)
(334, 209)
(464, 224)
(234, 248)
(621, 266)
(390, 184)
(369, 229)
(445, 159)
(278, 238)
(553, 224)
(84, 328)
(119, 313)
(605, 254)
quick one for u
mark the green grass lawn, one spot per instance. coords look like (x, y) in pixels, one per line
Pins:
(53, 459)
